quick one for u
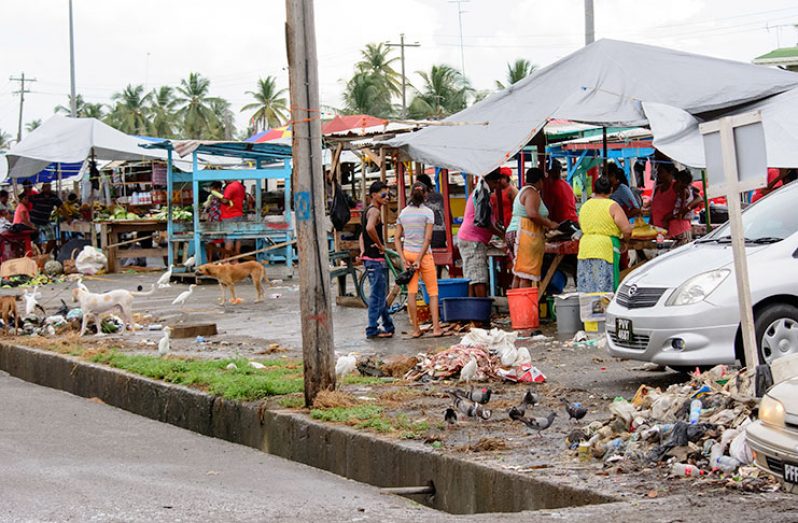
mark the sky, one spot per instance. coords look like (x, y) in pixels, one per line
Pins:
(235, 42)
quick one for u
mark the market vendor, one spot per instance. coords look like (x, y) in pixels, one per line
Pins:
(22, 214)
(42, 206)
(233, 211)
(528, 226)
(508, 193)
(558, 195)
(603, 224)
(622, 194)
(434, 200)
(776, 178)
(473, 241)
(213, 214)
(680, 226)
(4, 205)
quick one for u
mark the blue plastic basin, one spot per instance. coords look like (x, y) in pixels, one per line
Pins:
(467, 309)
(447, 288)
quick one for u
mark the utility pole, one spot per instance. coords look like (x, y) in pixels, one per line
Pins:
(21, 94)
(401, 45)
(460, 20)
(73, 101)
(308, 178)
(590, 32)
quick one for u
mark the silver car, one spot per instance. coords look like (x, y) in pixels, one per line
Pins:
(681, 310)
(774, 436)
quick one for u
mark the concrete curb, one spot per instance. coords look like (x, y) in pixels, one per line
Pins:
(462, 487)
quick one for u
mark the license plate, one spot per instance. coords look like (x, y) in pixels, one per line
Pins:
(790, 473)
(623, 329)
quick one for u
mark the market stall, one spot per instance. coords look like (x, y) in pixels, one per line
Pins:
(271, 161)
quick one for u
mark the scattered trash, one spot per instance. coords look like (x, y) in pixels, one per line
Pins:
(274, 296)
(580, 336)
(154, 326)
(200, 339)
(231, 366)
(256, 365)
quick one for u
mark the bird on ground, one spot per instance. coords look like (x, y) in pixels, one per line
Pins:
(450, 417)
(523, 358)
(185, 295)
(469, 370)
(481, 395)
(163, 343)
(189, 262)
(64, 309)
(537, 424)
(345, 365)
(469, 408)
(256, 365)
(81, 285)
(163, 281)
(528, 401)
(31, 300)
(575, 410)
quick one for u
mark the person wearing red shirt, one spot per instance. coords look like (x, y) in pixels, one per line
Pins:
(508, 192)
(558, 196)
(233, 211)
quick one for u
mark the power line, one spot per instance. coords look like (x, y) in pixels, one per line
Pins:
(21, 94)
(460, 20)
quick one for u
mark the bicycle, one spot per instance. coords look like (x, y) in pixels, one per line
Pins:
(397, 291)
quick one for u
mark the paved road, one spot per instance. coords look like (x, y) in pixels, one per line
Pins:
(64, 458)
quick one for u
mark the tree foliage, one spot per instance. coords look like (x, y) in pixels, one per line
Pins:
(517, 71)
(444, 92)
(270, 105)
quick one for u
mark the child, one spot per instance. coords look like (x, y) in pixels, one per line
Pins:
(213, 213)
(687, 197)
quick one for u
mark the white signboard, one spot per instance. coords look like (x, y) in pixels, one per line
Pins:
(750, 152)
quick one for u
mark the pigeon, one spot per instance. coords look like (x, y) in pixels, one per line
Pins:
(450, 417)
(481, 396)
(163, 281)
(529, 400)
(468, 407)
(163, 343)
(345, 365)
(523, 358)
(63, 310)
(185, 295)
(538, 423)
(256, 365)
(575, 410)
(189, 262)
(469, 370)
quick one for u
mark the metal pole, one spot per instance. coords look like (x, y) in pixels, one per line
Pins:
(314, 276)
(21, 104)
(460, 20)
(590, 32)
(73, 102)
(404, 77)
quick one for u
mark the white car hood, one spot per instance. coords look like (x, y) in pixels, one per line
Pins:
(674, 268)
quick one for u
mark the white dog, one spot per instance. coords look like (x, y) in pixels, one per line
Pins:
(93, 304)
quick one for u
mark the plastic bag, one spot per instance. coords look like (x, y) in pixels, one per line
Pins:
(482, 210)
(622, 409)
(91, 260)
(339, 209)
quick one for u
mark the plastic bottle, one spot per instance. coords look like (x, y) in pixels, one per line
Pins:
(727, 464)
(686, 470)
(695, 411)
(714, 455)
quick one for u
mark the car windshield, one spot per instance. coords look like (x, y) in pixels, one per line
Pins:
(769, 220)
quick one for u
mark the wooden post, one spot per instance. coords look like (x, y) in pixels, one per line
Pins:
(383, 178)
(314, 278)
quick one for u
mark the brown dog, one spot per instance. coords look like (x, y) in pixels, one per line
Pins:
(8, 306)
(228, 274)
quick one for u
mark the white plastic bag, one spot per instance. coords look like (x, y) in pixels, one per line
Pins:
(91, 260)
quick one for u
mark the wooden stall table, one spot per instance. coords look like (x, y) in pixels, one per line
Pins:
(80, 227)
(109, 238)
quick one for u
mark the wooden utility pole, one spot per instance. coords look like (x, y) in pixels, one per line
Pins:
(22, 90)
(308, 178)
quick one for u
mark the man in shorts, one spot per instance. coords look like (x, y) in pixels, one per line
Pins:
(473, 243)
(41, 210)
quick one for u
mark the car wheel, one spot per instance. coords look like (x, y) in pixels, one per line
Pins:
(776, 331)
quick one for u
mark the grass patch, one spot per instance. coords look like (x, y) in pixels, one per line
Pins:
(349, 415)
(291, 402)
(244, 383)
(353, 379)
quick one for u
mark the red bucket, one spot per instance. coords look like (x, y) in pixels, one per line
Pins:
(523, 305)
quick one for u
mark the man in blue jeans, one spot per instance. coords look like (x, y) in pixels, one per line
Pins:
(372, 252)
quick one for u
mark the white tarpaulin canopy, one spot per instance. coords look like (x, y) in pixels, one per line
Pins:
(604, 83)
(677, 135)
(70, 140)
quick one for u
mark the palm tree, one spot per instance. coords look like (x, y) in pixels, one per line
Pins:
(445, 92)
(129, 113)
(83, 109)
(33, 124)
(517, 71)
(5, 140)
(376, 59)
(194, 106)
(271, 106)
(365, 93)
(162, 112)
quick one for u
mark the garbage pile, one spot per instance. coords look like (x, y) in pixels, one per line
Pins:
(696, 428)
(496, 358)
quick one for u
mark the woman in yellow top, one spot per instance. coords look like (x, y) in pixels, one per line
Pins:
(603, 223)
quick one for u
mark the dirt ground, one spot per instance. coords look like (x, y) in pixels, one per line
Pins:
(579, 373)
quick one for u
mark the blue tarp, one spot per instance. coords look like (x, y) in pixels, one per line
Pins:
(50, 173)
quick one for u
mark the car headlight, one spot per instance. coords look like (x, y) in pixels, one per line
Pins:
(697, 288)
(771, 411)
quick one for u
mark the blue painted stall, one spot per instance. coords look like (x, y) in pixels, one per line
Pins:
(272, 162)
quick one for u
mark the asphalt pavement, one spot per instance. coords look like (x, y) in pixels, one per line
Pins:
(65, 458)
